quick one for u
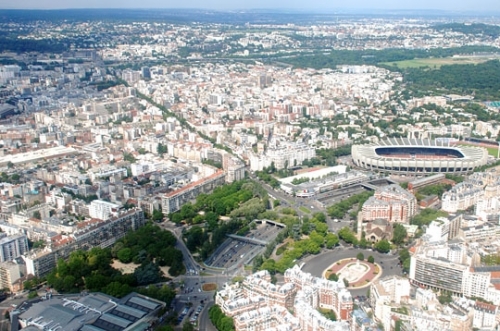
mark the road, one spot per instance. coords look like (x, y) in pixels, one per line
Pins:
(193, 295)
(205, 324)
(316, 264)
(192, 267)
(192, 281)
(287, 200)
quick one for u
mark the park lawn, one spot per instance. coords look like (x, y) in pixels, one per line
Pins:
(305, 210)
(492, 151)
(435, 63)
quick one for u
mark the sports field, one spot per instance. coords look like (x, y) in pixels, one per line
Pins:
(436, 63)
(493, 151)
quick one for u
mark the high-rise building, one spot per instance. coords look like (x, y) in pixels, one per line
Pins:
(146, 73)
(13, 246)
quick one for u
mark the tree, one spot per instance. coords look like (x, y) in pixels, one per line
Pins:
(371, 259)
(148, 273)
(333, 277)
(346, 282)
(399, 234)
(331, 240)
(188, 327)
(360, 256)
(157, 215)
(161, 149)
(347, 235)
(166, 327)
(320, 217)
(10, 165)
(317, 238)
(383, 246)
(125, 255)
(37, 215)
(129, 157)
(194, 238)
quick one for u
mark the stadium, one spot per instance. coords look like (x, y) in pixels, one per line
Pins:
(402, 156)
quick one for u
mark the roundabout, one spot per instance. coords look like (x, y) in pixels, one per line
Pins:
(359, 274)
(318, 265)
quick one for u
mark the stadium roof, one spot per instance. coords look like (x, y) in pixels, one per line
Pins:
(369, 150)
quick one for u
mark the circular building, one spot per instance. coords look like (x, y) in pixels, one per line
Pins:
(402, 156)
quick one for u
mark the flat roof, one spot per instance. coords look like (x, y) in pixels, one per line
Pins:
(32, 156)
(340, 169)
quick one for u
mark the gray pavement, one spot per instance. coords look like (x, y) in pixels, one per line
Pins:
(316, 264)
(205, 323)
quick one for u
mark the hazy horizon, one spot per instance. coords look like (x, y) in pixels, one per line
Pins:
(313, 5)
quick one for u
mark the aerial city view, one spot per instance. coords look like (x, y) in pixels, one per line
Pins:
(237, 166)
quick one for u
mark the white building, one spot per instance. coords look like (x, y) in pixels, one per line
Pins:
(484, 316)
(58, 199)
(102, 209)
(283, 156)
(387, 293)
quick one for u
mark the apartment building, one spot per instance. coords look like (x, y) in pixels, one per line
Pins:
(260, 284)
(10, 273)
(387, 293)
(479, 230)
(13, 246)
(485, 315)
(438, 273)
(102, 209)
(234, 168)
(94, 234)
(461, 197)
(454, 268)
(58, 199)
(173, 201)
(281, 156)
(444, 228)
(480, 188)
(259, 305)
(330, 295)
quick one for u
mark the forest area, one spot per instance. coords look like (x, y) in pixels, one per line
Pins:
(481, 80)
(375, 57)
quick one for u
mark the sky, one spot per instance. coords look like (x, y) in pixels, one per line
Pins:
(311, 5)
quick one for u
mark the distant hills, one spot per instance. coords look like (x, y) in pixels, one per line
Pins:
(262, 16)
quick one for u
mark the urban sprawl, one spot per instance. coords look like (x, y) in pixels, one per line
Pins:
(327, 173)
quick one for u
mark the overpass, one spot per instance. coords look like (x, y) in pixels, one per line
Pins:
(248, 240)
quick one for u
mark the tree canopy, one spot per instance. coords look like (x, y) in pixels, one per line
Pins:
(92, 270)
(220, 320)
(383, 246)
(399, 234)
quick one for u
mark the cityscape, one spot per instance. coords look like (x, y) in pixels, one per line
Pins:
(249, 170)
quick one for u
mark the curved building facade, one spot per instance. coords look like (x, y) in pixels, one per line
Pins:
(402, 156)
